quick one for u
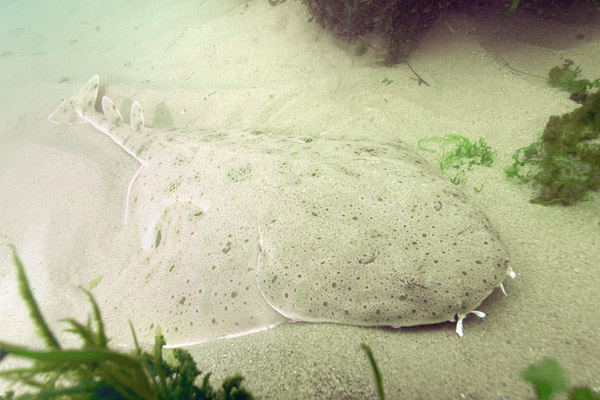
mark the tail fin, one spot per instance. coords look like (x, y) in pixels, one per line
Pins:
(79, 109)
(73, 109)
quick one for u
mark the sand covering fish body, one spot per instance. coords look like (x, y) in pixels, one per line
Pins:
(240, 231)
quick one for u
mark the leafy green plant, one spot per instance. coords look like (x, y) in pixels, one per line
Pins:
(548, 380)
(97, 372)
(457, 154)
(565, 162)
(565, 77)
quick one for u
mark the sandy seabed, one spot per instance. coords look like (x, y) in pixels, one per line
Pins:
(249, 65)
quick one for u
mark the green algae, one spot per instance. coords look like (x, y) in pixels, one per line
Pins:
(95, 282)
(564, 164)
(566, 78)
(547, 377)
(549, 380)
(97, 372)
(458, 155)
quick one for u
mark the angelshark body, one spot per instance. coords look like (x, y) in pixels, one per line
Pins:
(240, 231)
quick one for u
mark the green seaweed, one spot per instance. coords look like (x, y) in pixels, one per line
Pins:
(458, 154)
(549, 380)
(97, 372)
(547, 377)
(401, 23)
(398, 23)
(376, 373)
(43, 330)
(565, 162)
(96, 281)
(513, 6)
(565, 78)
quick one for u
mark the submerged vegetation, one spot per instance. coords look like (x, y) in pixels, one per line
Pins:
(97, 372)
(566, 78)
(376, 373)
(549, 380)
(538, 6)
(458, 154)
(547, 377)
(401, 23)
(565, 162)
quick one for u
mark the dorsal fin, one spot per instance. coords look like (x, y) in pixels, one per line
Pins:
(79, 109)
(72, 110)
(136, 117)
(111, 112)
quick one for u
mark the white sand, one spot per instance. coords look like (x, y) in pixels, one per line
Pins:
(248, 65)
